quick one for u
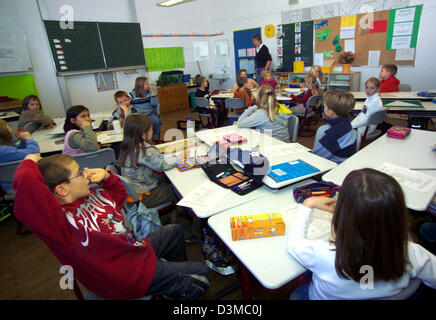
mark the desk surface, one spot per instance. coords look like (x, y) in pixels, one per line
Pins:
(427, 106)
(227, 94)
(8, 115)
(265, 258)
(413, 152)
(361, 95)
(13, 104)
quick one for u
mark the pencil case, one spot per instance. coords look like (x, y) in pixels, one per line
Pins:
(398, 132)
(315, 189)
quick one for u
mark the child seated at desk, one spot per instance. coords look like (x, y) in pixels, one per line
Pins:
(31, 113)
(203, 92)
(268, 79)
(84, 229)
(139, 160)
(124, 108)
(369, 229)
(252, 84)
(144, 99)
(372, 104)
(79, 136)
(313, 89)
(319, 75)
(265, 115)
(337, 140)
(243, 93)
(388, 81)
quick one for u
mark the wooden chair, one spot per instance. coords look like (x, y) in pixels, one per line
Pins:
(306, 118)
(293, 128)
(374, 119)
(201, 104)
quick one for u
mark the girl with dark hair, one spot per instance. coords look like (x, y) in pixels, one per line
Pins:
(244, 93)
(31, 113)
(79, 136)
(370, 255)
(139, 161)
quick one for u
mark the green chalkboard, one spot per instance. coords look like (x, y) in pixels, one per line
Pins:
(95, 46)
(122, 44)
(75, 49)
(298, 44)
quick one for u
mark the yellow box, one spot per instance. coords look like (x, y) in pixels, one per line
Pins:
(328, 65)
(257, 226)
(298, 66)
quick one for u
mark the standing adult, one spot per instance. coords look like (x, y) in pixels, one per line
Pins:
(263, 57)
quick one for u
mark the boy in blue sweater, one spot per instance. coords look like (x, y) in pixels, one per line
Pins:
(337, 139)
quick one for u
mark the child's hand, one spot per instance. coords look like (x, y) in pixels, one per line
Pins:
(51, 125)
(323, 203)
(23, 135)
(125, 109)
(34, 157)
(95, 175)
(82, 123)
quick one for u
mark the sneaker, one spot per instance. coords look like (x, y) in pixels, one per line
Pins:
(192, 239)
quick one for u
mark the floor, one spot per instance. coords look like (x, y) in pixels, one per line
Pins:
(29, 271)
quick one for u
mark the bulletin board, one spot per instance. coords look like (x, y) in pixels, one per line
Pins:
(245, 51)
(164, 58)
(328, 39)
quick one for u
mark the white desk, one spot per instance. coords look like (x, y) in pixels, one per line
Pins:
(265, 258)
(226, 95)
(413, 152)
(57, 144)
(9, 115)
(429, 109)
(411, 95)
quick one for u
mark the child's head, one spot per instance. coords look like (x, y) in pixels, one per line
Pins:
(75, 116)
(338, 103)
(312, 84)
(122, 98)
(141, 86)
(370, 226)
(241, 82)
(267, 100)
(31, 102)
(372, 86)
(5, 133)
(137, 129)
(64, 178)
(242, 73)
(201, 82)
(268, 75)
(317, 72)
(387, 71)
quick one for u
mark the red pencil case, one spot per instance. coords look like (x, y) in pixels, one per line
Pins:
(398, 132)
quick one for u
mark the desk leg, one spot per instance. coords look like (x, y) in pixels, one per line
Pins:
(245, 282)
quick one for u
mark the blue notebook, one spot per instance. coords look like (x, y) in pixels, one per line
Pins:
(291, 170)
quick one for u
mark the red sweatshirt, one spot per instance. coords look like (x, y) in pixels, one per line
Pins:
(104, 262)
(389, 85)
(304, 98)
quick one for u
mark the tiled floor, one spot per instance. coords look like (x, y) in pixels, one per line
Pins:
(28, 270)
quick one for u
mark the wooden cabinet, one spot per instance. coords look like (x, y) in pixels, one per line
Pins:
(173, 97)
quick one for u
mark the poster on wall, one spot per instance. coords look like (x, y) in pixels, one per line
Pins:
(403, 27)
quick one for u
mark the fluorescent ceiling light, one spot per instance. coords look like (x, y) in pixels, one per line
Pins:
(170, 3)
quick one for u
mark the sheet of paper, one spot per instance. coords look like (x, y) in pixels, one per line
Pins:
(347, 33)
(247, 64)
(205, 197)
(319, 59)
(281, 150)
(242, 52)
(406, 14)
(404, 54)
(319, 227)
(374, 58)
(403, 29)
(349, 21)
(349, 45)
(409, 178)
(401, 42)
(251, 52)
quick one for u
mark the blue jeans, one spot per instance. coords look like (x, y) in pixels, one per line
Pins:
(259, 77)
(156, 125)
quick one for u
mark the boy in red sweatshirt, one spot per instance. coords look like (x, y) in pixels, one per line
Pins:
(84, 229)
(388, 81)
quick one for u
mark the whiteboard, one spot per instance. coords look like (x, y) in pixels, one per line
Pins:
(14, 55)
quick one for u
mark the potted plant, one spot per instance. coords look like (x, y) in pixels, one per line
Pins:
(346, 59)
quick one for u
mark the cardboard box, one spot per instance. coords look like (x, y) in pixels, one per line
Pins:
(257, 226)
(328, 65)
(298, 66)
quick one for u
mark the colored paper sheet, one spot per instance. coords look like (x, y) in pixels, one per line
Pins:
(242, 52)
(251, 52)
(349, 21)
(379, 26)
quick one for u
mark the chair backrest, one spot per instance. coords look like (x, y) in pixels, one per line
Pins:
(377, 117)
(404, 87)
(407, 292)
(314, 101)
(293, 128)
(96, 159)
(31, 126)
(201, 102)
(234, 103)
(7, 170)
